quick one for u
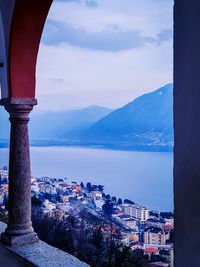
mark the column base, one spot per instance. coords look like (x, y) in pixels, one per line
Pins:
(19, 240)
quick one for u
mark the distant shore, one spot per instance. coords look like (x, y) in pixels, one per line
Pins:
(122, 146)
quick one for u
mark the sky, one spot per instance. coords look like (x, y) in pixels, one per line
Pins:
(103, 52)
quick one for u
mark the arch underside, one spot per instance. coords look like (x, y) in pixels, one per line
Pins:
(21, 28)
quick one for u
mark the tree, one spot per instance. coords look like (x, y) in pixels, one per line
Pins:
(100, 188)
(154, 214)
(5, 201)
(98, 243)
(127, 201)
(113, 244)
(3, 216)
(114, 199)
(108, 208)
(89, 187)
(82, 185)
(108, 197)
(36, 201)
(87, 239)
(166, 215)
(119, 202)
(154, 258)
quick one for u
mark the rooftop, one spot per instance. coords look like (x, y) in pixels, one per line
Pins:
(153, 229)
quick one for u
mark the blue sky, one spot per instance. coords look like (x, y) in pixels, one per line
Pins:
(103, 52)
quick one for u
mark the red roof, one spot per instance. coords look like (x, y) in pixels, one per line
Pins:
(168, 227)
(151, 250)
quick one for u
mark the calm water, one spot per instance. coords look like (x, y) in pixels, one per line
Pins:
(143, 177)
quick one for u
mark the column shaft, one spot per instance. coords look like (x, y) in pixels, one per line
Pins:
(19, 230)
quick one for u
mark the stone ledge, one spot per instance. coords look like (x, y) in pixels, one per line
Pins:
(41, 254)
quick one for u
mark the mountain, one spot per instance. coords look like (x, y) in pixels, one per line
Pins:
(49, 125)
(145, 123)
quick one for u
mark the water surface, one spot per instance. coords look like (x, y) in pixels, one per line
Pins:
(144, 177)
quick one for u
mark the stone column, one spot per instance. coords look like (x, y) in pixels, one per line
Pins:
(19, 230)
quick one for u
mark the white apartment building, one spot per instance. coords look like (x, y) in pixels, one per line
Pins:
(1, 198)
(63, 187)
(170, 222)
(96, 195)
(49, 205)
(4, 175)
(35, 187)
(154, 236)
(136, 211)
(132, 224)
(97, 198)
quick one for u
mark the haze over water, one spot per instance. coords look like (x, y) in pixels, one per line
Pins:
(144, 177)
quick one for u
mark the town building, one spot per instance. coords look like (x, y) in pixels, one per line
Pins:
(136, 211)
(136, 245)
(3, 176)
(97, 198)
(155, 223)
(154, 236)
(132, 224)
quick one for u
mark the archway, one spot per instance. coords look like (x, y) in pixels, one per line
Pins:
(21, 28)
(21, 92)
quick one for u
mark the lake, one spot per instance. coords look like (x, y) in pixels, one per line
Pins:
(144, 177)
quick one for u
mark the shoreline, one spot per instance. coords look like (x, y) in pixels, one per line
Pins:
(111, 147)
(128, 174)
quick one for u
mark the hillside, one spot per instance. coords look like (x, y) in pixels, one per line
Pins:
(145, 123)
(47, 125)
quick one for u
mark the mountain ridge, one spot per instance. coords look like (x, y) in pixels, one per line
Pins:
(46, 125)
(146, 124)
(147, 120)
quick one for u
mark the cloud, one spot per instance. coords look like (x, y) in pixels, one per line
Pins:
(100, 77)
(106, 55)
(57, 80)
(111, 39)
(89, 3)
(149, 17)
(165, 35)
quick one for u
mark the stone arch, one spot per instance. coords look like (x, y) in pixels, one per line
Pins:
(26, 30)
(186, 117)
(21, 28)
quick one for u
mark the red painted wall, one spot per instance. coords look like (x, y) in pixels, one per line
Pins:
(26, 29)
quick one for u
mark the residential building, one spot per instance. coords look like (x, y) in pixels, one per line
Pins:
(136, 245)
(154, 236)
(155, 223)
(136, 211)
(97, 198)
(131, 223)
(169, 222)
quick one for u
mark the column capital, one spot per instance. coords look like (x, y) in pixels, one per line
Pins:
(18, 108)
(15, 101)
